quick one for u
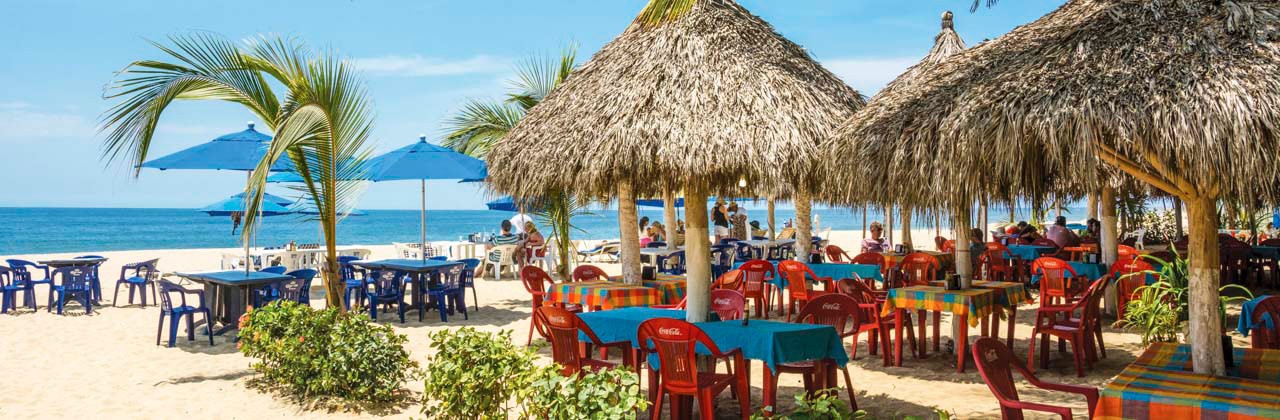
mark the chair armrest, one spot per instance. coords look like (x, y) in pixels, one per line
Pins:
(1064, 412)
(1090, 393)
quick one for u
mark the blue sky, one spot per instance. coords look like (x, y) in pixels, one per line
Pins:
(422, 60)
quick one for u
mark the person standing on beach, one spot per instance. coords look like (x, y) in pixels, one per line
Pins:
(738, 217)
(720, 219)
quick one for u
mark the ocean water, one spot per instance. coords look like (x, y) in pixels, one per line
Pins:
(26, 230)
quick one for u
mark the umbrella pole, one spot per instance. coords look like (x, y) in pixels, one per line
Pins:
(423, 252)
(247, 261)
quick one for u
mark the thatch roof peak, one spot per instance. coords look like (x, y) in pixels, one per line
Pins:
(1191, 86)
(711, 97)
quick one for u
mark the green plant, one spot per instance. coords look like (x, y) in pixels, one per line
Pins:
(607, 394)
(321, 122)
(475, 375)
(822, 405)
(1161, 308)
(1159, 225)
(326, 354)
(557, 210)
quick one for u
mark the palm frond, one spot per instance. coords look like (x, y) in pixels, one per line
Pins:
(658, 12)
(538, 76)
(478, 125)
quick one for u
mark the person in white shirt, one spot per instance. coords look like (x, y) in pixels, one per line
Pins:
(518, 221)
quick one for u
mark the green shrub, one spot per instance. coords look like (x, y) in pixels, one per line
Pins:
(474, 375)
(823, 405)
(1160, 310)
(608, 394)
(326, 354)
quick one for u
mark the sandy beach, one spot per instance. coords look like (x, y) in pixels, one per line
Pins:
(107, 365)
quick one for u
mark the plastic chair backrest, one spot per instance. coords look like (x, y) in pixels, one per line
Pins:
(676, 262)
(872, 258)
(73, 279)
(1267, 338)
(797, 275)
(920, 268)
(1125, 252)
(676, 342)
(731, 280)
(996, 365)
(1131, 275)
(587, 272)
(20, 268)
(1045, 242)
(166, 301)
(837, 255)
(837, 310)
(275, 269)
(728, 304)
(6, 276)
(535, 282)
(562, 329)
(754, 274)
(1053, 276)
(451, 278)
(387, 282)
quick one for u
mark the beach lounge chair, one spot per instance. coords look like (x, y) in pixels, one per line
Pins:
(144, 274)
(177, 312)
(608, 249)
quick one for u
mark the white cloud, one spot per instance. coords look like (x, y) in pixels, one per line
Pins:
(419, 66)
(20, 121)
(869, 75)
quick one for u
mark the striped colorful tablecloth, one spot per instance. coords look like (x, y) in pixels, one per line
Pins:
(1007, 293)
(603, 294)
(975, 303)
(1144, 392)
(670, 287)
(1248, 363)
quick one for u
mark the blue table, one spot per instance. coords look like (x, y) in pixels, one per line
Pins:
(228, 293)
(426, 271)
(1030, 252)
(770, 342)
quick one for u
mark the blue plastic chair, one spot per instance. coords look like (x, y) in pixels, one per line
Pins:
(143, 275)
(22, 276)
(439, 258)
(354, 279)
(746, 252)
(656, 244)
(450, 294)
(469, 279)
(307, 276)
(97, 281)
(74, 284)
(668, 267)
(721, 259)
(177, 312)
(388, 289)
(275, 269)
(726, 241)
(9, 288)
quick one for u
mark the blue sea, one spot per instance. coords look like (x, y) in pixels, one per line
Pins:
(48, 230)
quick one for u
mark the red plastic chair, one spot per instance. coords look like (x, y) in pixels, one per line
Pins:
(562, 329)
(1059, 283)
(755, 274)
(1126, 253)
(535, 282)
(675, 342)
(731, 280)
(837, 255)
(1129, 277)
(727, 304)
(840, 312)
(1082, 332)
(871, 303)
(798, 276)
(997, 267)
(1234, 257)
(996, 365)
(1261, 336)
(588, 272)
(939, 242)
(920, 268)
(873, 258)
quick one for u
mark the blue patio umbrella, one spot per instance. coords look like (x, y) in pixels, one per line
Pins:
(271, 206)
(503, 204)
(423, 161)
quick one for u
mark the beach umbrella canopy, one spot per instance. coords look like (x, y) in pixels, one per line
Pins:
(271, 206)
(697, 95)
(423, 161)
(503, 204)
(1179, 94)
(239, 151)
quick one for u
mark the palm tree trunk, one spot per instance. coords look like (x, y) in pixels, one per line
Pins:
(669, 217)
(629, 231)
(773, 233)
(697, 248)
(906, 226)
(1108, 243)
(1205, 324)
(804, 228)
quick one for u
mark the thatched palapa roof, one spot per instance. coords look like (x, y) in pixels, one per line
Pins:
(1188, 89)
(707, 93)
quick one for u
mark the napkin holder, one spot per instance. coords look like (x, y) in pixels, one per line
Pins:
(648, 273)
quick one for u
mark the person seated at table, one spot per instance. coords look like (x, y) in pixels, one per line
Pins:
(533, 239)
(976, 241)
(644, 226)
(1028, 234)
(876, 243)
(1060, 234)
(646, 236)
(657, 232)
(678, 236)
(1092, 231)
(506, 237)
(756, 230)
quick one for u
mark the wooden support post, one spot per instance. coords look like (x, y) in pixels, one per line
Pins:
(669, 217)
(804, 231)
(1204, 331)
(773, 233)
(697, 248)
(629, 232)
(906, 226)
(1109, 242)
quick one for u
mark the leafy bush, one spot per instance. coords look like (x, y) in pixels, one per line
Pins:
(1161, 308)
(326, 354)
(608, 394)
(1160, 225)
(474, 375)
(823, 405)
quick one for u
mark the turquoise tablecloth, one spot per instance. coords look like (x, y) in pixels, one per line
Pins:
(1030, 252)
(1091, 271)
(1246, 316)
(768, 341)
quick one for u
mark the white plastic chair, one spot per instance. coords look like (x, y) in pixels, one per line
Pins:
(505, 255)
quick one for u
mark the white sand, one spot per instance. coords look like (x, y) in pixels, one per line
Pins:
(107, 365)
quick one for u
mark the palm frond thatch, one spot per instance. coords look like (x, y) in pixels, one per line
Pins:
(1186, 88)
(710, 95)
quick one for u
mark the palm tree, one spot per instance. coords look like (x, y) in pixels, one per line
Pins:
(480, 124)
(321, 122)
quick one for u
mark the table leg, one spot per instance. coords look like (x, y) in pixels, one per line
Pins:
(770, 390)
(1013, 314)
(923, 348)
(995, 315)
(897, 336)
(937, 331)
(995, 324)
(962, 342)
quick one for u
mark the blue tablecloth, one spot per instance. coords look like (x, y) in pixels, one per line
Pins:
(1091, 271)
(1246, 316)
(236, 277)
(1030, 252)
(413, 265)
(768, 341)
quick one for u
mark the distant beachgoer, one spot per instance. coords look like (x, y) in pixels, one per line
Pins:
(644, 226)
(738, 218)
(876, 243)
(235, 221)
(533, 245)
(1059, 234)
(657, 232)
(720, 219)
(506, 237)
(756, 230)
(519, 221)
